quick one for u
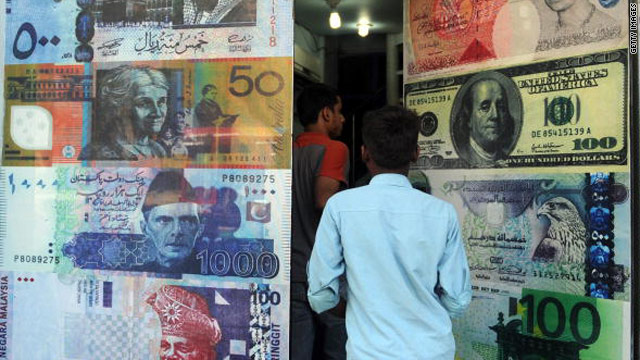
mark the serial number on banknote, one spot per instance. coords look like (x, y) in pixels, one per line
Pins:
(556, 275)
(252, 179)
(429, 100)
(36, 259)
(561, 132)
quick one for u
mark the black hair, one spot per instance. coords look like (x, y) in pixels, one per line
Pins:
(312, 100)
(391, 136)
(207, 88)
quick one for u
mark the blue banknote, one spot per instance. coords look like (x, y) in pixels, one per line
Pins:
(214, 222)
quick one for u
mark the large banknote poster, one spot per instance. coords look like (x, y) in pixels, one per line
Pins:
(223, 223)
(472, 34)
(550, 263)
(48, 316)
(521, 323)
(230, 113)
(563, 112)
(567, 233)
(69, 31)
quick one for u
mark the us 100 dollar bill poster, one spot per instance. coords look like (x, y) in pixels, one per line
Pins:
(563, 112)
(229, 113)
(70, 31)
(441, 35)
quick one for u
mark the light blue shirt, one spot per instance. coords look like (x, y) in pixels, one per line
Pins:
(395, 244)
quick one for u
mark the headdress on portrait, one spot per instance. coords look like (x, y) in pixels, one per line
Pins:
(185, 314)
(168, 187)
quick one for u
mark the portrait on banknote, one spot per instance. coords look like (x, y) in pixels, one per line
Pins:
(199, 13)
(179, 13)
(171, 221)
(575, 22)
(486, 119)
(533, 115)
(189, 332)
(132, 104)
(444, 35)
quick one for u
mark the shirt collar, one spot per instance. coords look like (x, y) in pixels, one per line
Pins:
(391, 179)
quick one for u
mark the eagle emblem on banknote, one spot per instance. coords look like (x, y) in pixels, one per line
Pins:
(564, 241)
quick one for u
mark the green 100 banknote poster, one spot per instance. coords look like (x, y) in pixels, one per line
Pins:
(532, 325)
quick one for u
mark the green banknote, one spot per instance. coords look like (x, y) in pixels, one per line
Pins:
(558, 232)
(529, 324)
(562, 112)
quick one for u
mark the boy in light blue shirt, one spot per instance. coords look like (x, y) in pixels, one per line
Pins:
(400, 248)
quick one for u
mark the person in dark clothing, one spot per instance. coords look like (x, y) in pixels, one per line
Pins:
(320, 169)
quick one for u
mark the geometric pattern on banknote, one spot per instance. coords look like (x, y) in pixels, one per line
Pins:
(105, 336)
(131, 252)
(603, 275)
(543, 114)
(204, 114)
(440, 35)
(108, 251)
(261, 299)
(99, 30)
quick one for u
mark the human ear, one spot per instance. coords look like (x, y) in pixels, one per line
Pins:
(416, 154)
(364, 153)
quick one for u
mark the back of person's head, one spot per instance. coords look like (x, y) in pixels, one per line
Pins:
(312, 100)
(390, 135)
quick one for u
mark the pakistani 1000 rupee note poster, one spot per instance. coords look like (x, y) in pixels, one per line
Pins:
(562, 112)
(441, 35)
(49, 316)
(71, 31)
(228, 224)
(228, 113)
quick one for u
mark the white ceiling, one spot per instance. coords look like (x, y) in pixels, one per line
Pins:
(385, 15)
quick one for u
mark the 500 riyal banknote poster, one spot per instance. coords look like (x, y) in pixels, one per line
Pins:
(69, 31)
(443, 34)
(49, 316)
(218, 113)
(224, 223)
(570, 111)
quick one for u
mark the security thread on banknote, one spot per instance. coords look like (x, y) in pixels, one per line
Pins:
(231, 113)
(47, 316)
(570, 111)
(442, 35)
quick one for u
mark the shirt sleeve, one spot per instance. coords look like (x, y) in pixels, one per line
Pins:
(335, 163)
(453, 271)
(326, 264)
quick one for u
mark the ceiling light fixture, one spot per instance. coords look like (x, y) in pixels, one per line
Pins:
(334, 19)
(363, 28)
